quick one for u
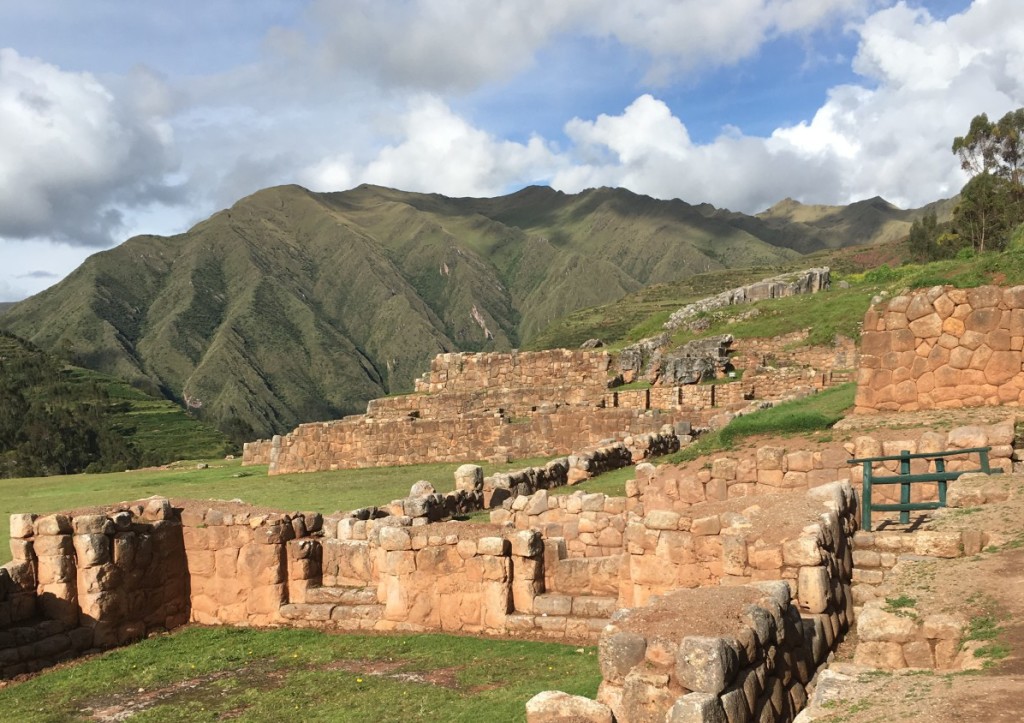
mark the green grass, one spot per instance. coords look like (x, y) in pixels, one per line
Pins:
(270, 675)
(800, 416)
(315, 491)
(610, 483)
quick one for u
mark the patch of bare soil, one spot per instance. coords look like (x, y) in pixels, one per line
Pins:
(988, 586)
(441, 677)
(125, 705)
(710, 611)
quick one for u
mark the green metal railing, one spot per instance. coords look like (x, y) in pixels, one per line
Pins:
(905, 479)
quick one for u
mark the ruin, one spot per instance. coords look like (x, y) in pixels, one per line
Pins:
(768, 538)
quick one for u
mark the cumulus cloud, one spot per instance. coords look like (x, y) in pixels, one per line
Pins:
(924, 80)
(73, 155)
(445, 45)
(440, 152)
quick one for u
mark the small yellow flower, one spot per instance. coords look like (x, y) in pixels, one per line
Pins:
(359, 680)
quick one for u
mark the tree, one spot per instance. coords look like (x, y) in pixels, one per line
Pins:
(985, 216)
(924, 236)
(996, 148)
(992, 202)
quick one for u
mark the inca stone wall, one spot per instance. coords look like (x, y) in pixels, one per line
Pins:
(362, 442)
(578, 369)
(89, 581)
(499, 406)
(943, 348)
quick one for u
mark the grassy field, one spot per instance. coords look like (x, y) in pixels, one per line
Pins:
(202, 674)
(314, 491)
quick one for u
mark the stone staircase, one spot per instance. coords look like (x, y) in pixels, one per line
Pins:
(579, 617)
(340, 607)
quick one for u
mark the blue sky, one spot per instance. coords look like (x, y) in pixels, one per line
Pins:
(119, 117)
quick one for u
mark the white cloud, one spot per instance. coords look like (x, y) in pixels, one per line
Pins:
(73, 155)
(930, 76)
(442, 45)
(440, 152)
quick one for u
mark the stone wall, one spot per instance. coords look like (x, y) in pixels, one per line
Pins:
(729, 653)
(467, 372)
(89, 581)
(363, 442)
(772, 469)
(943, 348)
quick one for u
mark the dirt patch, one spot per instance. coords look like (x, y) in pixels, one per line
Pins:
(125, 705)
(709, 611)
(441, 677)
(776, 516)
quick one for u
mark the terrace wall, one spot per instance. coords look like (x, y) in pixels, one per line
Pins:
(943, 348)
(362, 442)
(467, 372)
(772, 469)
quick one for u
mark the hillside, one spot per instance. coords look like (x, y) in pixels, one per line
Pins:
(60, 419)
(294, 306)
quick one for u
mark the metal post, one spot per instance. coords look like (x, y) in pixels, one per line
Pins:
(865, 522)
(904, 486)
(940, 467)
(983, 454)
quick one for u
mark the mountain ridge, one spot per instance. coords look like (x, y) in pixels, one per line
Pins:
(294, 306)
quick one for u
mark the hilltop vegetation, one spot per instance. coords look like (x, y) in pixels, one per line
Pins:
(295, 306)
(56, 419)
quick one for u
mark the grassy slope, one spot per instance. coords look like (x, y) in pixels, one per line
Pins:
(162, 430)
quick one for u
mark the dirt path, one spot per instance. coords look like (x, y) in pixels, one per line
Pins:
(985, 586)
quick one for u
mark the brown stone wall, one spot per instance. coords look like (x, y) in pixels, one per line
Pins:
(788, 350)
(362, 442)
(466, 372)
(238, 563)
(757, 653)
(943, 348)
(85, 581)
(771, 469)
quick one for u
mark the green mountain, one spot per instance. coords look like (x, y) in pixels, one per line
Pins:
(295, 306)
(60, 419)
(807, 228)
(5, 305)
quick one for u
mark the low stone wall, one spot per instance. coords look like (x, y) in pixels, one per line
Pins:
(729, 653)
(771, 469)
(89, 581)
(361, 442)
(462, 371)
(943, 348)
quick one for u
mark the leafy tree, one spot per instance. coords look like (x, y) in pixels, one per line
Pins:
(924, 236)
(986, 212)
(992, 202)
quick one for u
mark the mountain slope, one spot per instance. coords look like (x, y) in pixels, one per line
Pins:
(295, 306)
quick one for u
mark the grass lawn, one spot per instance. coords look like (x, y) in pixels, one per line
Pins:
(314, 491)
(269, 675)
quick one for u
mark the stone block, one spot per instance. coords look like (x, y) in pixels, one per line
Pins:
(697, 708)
(620, 651)
(527, 543)
(706, 665)
(813, 589)
(553, 706)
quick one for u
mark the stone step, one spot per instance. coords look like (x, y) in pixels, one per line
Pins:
(346, 617)
(342, 595)
(580, 606)
(557, 626)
